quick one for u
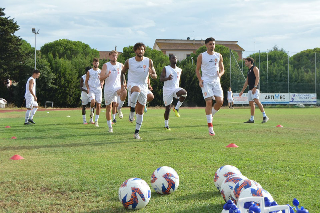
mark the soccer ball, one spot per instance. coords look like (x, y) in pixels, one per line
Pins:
(134, 193)
(165, 180)
(241, 186)
(255, 192)
(228, 185)
(222, 173)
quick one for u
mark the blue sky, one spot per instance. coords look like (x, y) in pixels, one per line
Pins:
(256, 24)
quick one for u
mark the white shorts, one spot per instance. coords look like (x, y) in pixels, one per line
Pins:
(85, 98)
(30, 103)
(169, 94)
(212, 89)
(251, 96)
(142, 98)
(111, 95)
(96, 94)
(230, 100)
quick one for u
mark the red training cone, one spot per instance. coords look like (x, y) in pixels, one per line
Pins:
(232, 145)
(8, 127)
(16, 157)
(279, 125)
(14, 137)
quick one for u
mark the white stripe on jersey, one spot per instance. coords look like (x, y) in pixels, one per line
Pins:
(174, 82)
(210, 67)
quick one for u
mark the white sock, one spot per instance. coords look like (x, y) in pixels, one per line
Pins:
(178, 105)
(166, 123)
(214, 111)
(134, 99)
(120, 104)
(209, 118)
(97, 117)
(27, 115)
(251, 118)
(264, 114)
(33, 111)
(113, 116)
(84, 118)
(109, 124)
(139, 119)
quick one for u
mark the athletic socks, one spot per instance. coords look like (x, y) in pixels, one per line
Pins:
(178, 105)
(27, 116)
(264, 114)
(252, 118)
(214, 111)
(166, 123)
(209, 119)
(33, 111)
(97, 117)
(109, 123)
(139, 121)
(114, 116)
(84, 118)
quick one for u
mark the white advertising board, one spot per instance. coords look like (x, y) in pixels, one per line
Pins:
(303, 98)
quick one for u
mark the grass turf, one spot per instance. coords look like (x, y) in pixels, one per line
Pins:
(71, 167)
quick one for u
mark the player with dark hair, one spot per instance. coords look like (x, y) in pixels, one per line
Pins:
(253, 93)
(212, 68)
(139, 68)
(171, 77)
(85, 98)
(31, 98)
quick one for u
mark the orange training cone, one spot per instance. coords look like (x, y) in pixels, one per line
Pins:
(279, 125)
(8, 127)
(16, 157)
(232, 145)
(14, 137)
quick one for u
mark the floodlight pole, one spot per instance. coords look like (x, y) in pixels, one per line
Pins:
(267, 71)
(288, 72)
(230, 67)
(315, 72)
(35, 47)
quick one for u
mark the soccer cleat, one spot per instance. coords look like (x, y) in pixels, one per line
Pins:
(167, 128)
(27, 123)
(176, 112)
(96, 124)
(85, 122)
(265, 119)
(114, 121)
(91, 121)
(145, 109)
(31, 121)
(211, 132)
(110, 129)
(120, 114)
(249, 122)
(136, 136)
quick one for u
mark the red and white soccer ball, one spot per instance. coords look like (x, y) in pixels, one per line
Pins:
(134, 193)
(255, 192)
(222, 173)
(241, 186)
(165, 180)
(228, 185)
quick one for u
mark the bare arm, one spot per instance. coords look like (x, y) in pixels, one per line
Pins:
(81, 85)
(221, 67)
(163, 75)
(152, 71)
(104, 73)
(256, 73)
(87, 79)
(244, 87)
(123, 73)
(31, 82)
(199, 62)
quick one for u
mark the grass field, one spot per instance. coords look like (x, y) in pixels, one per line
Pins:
(71, 167)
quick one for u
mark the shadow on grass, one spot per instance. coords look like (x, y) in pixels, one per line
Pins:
(200, 196)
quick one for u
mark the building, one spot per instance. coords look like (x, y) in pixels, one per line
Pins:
(105, 54)
(183, 48)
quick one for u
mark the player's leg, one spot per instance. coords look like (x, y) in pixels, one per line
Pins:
(108, 116)
(84, 114)
(141, 101)
(181, 95)
(264, 115)
(135, 91)
(33, 112)
(114, 111)
(29, 106)
(209, 115)
(166, 117)
(150, 97)
(123, 96)
(98, 99)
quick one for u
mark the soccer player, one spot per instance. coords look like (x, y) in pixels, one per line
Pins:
(253, 93)
(171, 77)
(85, 99)
(150, 95)
(94, 88)
(212, 68)
(31, 98)
(138, 68)
(110, 73)
(230, 98)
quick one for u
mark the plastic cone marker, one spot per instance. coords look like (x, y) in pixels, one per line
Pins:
(14, 137)
(16, 157)
(8, 126)
(232, 145)
(279, 125)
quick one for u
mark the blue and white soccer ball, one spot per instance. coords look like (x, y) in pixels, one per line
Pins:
(134, 193)
(228, 185)
(222, 173)
(165, 180)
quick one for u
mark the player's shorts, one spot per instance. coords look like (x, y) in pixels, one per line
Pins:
(96, 94)
(142, 98)
(251, 96)
(230, 100)
(111, 95)
(169, 94)
(209, 90)
(85, 98)
(30, 102)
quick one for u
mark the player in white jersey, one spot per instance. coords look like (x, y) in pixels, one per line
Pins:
(212, 68)
(31, 98)
(171, 77)
(94, 88)
(85, 98)
(230, 98)
(138, 68)
(110, 73)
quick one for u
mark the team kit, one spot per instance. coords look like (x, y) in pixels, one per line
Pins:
(132, 80)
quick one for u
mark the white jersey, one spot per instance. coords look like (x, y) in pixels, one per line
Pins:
(210, 67)
(84, 81)
(174, 82)
(28, 94)
(113, 81)
(138, 72)
(229, 94)
(94, 79)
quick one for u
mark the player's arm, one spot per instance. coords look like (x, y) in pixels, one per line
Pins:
(199, 62)
(123, 73)
(104, 73)
(221, 67)
(152, 71)
(163, 75)
(81, 85)
(244, 87)
(31, 82)
(87, 80)
(149, 85)
(256, 73)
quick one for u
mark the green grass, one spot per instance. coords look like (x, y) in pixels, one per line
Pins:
(70, 167)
